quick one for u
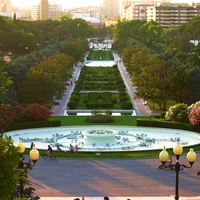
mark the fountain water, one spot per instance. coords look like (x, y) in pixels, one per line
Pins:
(105, 138)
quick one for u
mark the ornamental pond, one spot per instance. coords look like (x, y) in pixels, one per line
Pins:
(105, 138)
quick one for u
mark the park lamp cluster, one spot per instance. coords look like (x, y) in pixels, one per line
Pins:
(178, 149)
(34, 153)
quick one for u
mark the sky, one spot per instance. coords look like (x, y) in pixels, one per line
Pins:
(67, 4)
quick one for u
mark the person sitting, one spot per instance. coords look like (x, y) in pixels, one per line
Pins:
(32, 145)
(58, 147)
(170, 161)
(49, 151)
(71, 148)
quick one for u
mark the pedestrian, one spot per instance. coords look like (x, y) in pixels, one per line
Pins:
(105, 198)
(32, 145)
(76, 149)
(71, 148)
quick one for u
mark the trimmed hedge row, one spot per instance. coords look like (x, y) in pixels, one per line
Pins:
(100, 119)
(33, 124)
(164, 124)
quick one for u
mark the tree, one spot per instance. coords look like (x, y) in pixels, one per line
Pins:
(4, 83)
(9, 170)
(46, 80)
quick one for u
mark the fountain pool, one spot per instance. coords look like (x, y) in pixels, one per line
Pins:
(105, 138)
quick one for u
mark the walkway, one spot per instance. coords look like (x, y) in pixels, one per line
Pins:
(60, 109)
(120, 179)
(140, 108)
(120, 198)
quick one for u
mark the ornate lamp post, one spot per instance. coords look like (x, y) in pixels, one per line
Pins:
(34, 155)
(191, 157)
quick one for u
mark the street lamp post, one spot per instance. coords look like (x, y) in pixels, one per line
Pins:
(191, 157)
(34, 155)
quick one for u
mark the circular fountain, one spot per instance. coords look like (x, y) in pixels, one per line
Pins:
(105, 138)
(99, 137)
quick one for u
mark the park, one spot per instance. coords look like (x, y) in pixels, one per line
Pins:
(108, 98)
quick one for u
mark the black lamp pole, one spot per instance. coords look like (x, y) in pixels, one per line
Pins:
(191, 157)
(25, 166)
(177, 167)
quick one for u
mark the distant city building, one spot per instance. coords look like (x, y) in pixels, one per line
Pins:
(35, 12)
(175, 14)
(92, 15)
(166, 14)
(5, 6)
(151, 13)
(55, 11)
(44, 9)
(110, 8)
(135, 11)
(110, 22)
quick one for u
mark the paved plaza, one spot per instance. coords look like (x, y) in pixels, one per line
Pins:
(117, 178)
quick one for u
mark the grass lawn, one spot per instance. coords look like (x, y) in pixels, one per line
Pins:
(100, 55)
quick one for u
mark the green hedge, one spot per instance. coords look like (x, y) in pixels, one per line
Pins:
(164, 124)
(100, 119)
(33, 124)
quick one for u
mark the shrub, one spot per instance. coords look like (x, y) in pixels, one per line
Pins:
(76, 93)
(178, 113)
(99, 118)
(126, 105)
(194, 115)
(123, 94)
(36, 112)
(75, 98)
(72, 105)
(162, 114)
(20, 113)
(7, 116)
(123, 99)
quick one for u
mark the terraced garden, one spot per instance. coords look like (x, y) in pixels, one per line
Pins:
(100, 88)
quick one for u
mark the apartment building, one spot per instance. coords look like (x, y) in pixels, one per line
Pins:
(44, 9)
(166, 14)
(5, 6)
(35, 12)
(54, 11)
(135, 11)
(92, 15)
(169, 15)
(110, 8)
